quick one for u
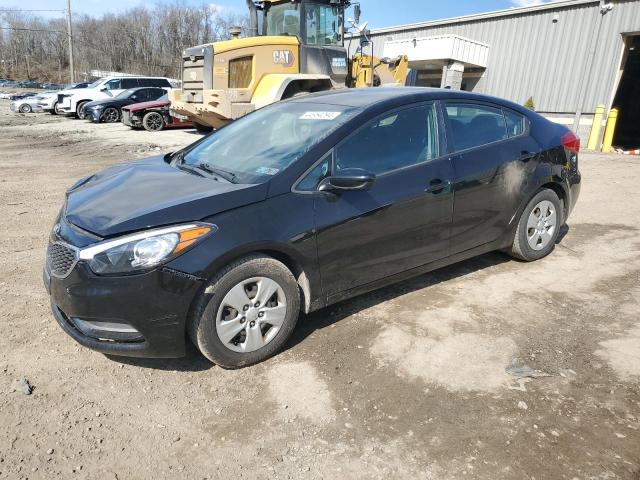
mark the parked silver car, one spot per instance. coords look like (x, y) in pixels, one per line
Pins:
(28, 104)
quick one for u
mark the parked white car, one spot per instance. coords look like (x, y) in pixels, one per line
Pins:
(72, 101)
(49, 101)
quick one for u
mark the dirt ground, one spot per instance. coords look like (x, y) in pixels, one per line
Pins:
(412, 381)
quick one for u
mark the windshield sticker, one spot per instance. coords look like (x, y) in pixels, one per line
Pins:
(319, 115)
(267, 171)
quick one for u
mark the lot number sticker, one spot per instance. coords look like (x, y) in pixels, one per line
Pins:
(319, 115)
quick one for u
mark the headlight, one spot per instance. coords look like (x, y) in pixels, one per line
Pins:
(142, 251)
(97, 107)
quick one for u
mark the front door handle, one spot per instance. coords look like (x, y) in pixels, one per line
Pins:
(437, 186)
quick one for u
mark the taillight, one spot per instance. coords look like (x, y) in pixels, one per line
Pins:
(571, 142)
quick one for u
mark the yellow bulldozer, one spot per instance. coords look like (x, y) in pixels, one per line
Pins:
(294, 47)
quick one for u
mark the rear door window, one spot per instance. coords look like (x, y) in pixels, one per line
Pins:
(141, 95)
(155, 93)
(129, 83)
(395, 140)
(155, 82)
(473, 125)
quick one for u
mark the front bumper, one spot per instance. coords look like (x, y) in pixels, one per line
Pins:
(130, 119)
(94, 115)
(155, 304)
(64, 104)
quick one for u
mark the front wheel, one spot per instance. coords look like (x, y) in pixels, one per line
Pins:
(25, 108)
(80, 110)
(111, 115)
(54, 110)
(202, 128)
(538, 227)
(153, 122)
(246, 313)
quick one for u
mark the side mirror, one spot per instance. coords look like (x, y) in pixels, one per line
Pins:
(348, 179)
(357, 11)
(104, 89)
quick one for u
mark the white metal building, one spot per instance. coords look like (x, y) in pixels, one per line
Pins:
(568, 56)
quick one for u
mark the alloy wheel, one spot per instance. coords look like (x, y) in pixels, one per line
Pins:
(541, 225)
(153, 122)
(251, 314)
(26, 108)
(110, 115)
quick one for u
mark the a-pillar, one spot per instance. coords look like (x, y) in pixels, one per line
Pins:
(452, 75)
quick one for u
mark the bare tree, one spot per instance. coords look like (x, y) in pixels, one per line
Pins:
(143, 40)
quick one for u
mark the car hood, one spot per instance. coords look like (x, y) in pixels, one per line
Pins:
(151, 104)
(110, 102)
(150, 193)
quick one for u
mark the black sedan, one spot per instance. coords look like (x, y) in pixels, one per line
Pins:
(110, 110)
(297, 206)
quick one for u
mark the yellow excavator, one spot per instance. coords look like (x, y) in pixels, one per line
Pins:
(294, 47)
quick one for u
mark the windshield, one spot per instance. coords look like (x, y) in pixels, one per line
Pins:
(95, 84)
(284, 19)
(267, 141)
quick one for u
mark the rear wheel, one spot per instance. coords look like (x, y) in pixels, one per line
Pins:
(538, 227)
(202, 128)
(111, 115)
(80, 110)
(153, 122)
(246, 313)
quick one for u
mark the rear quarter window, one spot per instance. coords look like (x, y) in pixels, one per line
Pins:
(516, 123)
(129, 83)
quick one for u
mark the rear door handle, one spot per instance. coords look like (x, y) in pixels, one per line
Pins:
(437, 186)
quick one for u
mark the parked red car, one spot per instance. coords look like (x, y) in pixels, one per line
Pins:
(152, 116)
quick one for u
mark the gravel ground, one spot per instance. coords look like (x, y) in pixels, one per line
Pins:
(412, 381)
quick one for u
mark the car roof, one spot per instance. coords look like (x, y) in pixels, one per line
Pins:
(132, 76)
(375, 96)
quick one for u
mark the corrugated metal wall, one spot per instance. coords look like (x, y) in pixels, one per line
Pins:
(531, 56)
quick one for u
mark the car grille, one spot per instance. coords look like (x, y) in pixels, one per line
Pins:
(61, 259)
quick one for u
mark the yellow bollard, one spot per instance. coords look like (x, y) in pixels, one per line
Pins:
(594, 136)
(610, 130)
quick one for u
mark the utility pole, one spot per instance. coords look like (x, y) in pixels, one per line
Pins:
(70, 32)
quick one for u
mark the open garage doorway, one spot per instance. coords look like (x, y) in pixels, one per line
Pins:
(627, 99)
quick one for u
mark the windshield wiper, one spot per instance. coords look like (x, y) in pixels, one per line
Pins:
(226, 175)
(189, 168)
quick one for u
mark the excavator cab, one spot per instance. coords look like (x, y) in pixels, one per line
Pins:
(319, 26)
(294, 47)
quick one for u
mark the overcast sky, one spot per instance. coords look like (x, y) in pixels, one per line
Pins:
(379, 13)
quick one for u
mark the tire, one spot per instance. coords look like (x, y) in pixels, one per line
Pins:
(54, 110)
(153, 122)
(80, 110)
(207, 322)
(535, 237)
(202, 128)
(111, 115)
(25, 108)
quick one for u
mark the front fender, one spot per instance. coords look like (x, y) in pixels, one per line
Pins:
(272, 86)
